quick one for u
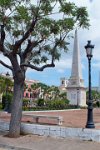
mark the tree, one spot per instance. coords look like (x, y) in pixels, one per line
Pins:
(5, 84)
(2, 84)
(40, 85)
(63, 95)
(54, 92)
(95, 95)
(34, 35)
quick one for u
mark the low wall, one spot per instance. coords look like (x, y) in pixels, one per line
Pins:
(56, 131)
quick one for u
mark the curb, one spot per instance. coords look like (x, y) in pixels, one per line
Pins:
(56, 131)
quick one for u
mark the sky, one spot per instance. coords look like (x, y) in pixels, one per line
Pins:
(52, 76)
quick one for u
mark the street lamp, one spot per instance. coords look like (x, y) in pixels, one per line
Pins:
(77, 98)
(7, 74)
(6, 101)
(90, 123)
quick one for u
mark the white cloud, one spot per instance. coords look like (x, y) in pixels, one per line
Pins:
(63, 64)
(4, 59)
(96, 65)
(80, 2)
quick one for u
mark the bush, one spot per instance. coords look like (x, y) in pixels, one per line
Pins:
(25, 101)
(0, 106)
(98, 104)
(40, 102)
(57, 104)
(25, 104)
(7, 101)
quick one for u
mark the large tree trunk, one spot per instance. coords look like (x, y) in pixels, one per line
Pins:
(16, 112)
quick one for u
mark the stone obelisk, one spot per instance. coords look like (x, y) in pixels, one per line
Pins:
(76, 92)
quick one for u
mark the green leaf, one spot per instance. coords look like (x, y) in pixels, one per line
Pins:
(68, 8)
(44, 59)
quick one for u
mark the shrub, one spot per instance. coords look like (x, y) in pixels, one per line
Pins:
(40, 102)
(0, 106)
(7, 101)
(57, 104)
(98, 104)
(25, 103)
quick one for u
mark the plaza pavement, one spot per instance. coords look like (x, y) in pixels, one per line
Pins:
(76, 118)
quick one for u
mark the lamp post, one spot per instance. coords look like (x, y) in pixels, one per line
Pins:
(90, 123)
(77, 98)
(6, 101)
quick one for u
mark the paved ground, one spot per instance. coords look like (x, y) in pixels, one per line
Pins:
(72, 118)
(75, 118)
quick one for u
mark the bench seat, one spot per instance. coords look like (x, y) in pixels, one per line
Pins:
(36, 117)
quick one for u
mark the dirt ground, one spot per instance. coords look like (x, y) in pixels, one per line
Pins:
(34, 142)
(72, 118)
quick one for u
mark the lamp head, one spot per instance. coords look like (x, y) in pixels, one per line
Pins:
(7, 74)
(89, 49)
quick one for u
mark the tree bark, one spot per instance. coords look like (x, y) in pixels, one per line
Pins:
(16, 112)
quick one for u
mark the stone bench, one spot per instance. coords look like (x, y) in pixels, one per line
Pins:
(36, 117)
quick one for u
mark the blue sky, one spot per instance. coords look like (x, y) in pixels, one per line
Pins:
(52, 76)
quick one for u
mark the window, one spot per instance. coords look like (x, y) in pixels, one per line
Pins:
(62, 82)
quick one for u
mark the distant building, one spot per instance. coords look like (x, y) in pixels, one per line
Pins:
(29, 92)
(63, 84)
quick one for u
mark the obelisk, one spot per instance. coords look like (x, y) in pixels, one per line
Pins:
(76, 92)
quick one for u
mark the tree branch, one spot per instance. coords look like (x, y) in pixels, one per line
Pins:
(25, 36)
(38, 68)
(2, 34)
(30, 46)
(4, 50)
(5, 65)
(2, 38)
(1, 47)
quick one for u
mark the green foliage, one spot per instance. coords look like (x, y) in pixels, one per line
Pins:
(7, 100)
(5, 84)
(81, 16)
(46, 7)
(40, 102)
(2, 84)
(25, 101)
(63, 95)
(68, 8)
(17, 16)
(95, 95)
(98, 103)
(25, 104)
(42, 86)
(57, 104)
(6, 3)
(0, 106)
